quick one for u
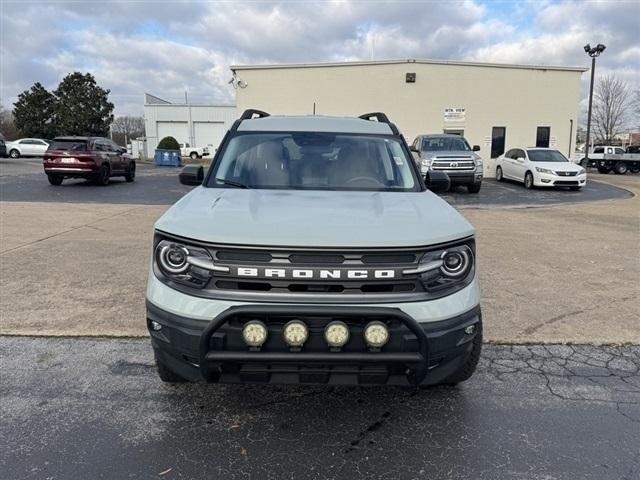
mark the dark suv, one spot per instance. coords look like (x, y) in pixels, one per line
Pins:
(93, 158)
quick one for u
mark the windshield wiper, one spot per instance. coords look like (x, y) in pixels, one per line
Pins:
(232, 183)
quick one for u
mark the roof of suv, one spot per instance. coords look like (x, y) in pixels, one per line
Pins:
(314, 123)
(71, 137)
(435, 135)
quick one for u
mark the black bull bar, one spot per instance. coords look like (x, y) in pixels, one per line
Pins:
(415, 361)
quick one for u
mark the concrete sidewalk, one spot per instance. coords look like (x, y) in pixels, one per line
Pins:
(549, 275)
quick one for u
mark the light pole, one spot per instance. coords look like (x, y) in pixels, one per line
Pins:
(593, 52)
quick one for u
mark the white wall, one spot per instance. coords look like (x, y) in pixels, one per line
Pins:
(520, 99)
(198, 125)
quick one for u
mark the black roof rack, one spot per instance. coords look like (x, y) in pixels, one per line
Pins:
(380, 117)
(249, 114)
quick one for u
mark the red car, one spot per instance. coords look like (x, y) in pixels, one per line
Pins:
(93, 158)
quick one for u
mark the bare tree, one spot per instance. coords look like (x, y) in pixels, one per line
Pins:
(125, 128)
(611, 108)
(636, 108)
(8, 129)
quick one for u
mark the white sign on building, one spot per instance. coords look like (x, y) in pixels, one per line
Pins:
(454, 114)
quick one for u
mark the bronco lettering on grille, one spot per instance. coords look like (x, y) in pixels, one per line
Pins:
(316, 273)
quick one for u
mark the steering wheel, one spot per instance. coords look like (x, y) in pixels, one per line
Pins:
(369, 180)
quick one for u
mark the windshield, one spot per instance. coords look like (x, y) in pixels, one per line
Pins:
(546, 156)
(69, 145)
(314, 161)
(445, 144)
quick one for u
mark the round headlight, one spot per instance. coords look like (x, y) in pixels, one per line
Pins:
(173, 258)
(376, 334)
(295, 333)
(455, 263)
(336, 334)
(254, 333)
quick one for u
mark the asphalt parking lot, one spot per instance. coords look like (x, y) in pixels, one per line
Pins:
(93, 408)
(22, 180)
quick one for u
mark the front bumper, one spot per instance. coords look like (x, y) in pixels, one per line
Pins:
(463, 177)
(213, 351)
(549, 180)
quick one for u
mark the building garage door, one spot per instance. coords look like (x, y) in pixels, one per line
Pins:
(177, 130)
(208, 134)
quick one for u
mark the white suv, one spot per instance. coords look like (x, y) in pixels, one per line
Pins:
(540, 167)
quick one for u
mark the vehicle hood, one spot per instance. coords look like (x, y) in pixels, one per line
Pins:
(295, 218)
(558, 166)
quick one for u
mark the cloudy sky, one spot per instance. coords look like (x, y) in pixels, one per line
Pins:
(165, 47)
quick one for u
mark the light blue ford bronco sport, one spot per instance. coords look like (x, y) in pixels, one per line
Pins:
(311, 251)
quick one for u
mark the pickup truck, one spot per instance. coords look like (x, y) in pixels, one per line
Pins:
(187, 150)
(452, 155)
(611, 158)
(312, 252)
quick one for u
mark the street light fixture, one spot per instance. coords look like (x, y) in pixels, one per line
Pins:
(593, 52)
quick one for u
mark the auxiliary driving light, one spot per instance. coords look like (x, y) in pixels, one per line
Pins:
(376, 334)
(295, 333)
(254, 333)
(336, 334)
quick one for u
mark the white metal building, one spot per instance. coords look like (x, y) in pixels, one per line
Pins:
(496, 106)
(197, 125)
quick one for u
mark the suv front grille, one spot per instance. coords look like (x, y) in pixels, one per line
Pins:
(280, 274)
(450, 162)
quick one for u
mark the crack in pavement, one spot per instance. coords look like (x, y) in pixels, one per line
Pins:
(534, 328)
(72, 229)
(608, 370)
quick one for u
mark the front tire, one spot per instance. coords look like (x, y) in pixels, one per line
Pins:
(130, 176)
(604, 170)
(528, 181)
(55, 179)
(620, 168)
(14, 153)
(167, 375)
(584, 163)
(194, 155)
(474, 187)
(499, 175)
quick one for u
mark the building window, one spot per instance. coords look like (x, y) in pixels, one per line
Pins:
(542, 137)
(454, 131)
(498, 135)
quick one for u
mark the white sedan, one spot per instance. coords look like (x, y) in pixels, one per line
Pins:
(27, 147)
(540, 167)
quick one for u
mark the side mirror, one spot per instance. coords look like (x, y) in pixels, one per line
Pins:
(520, 159)
(414, 149)
(192, 175)
(438, 181)
(476, 148)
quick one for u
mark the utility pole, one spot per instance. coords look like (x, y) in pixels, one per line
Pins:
(593, 52)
